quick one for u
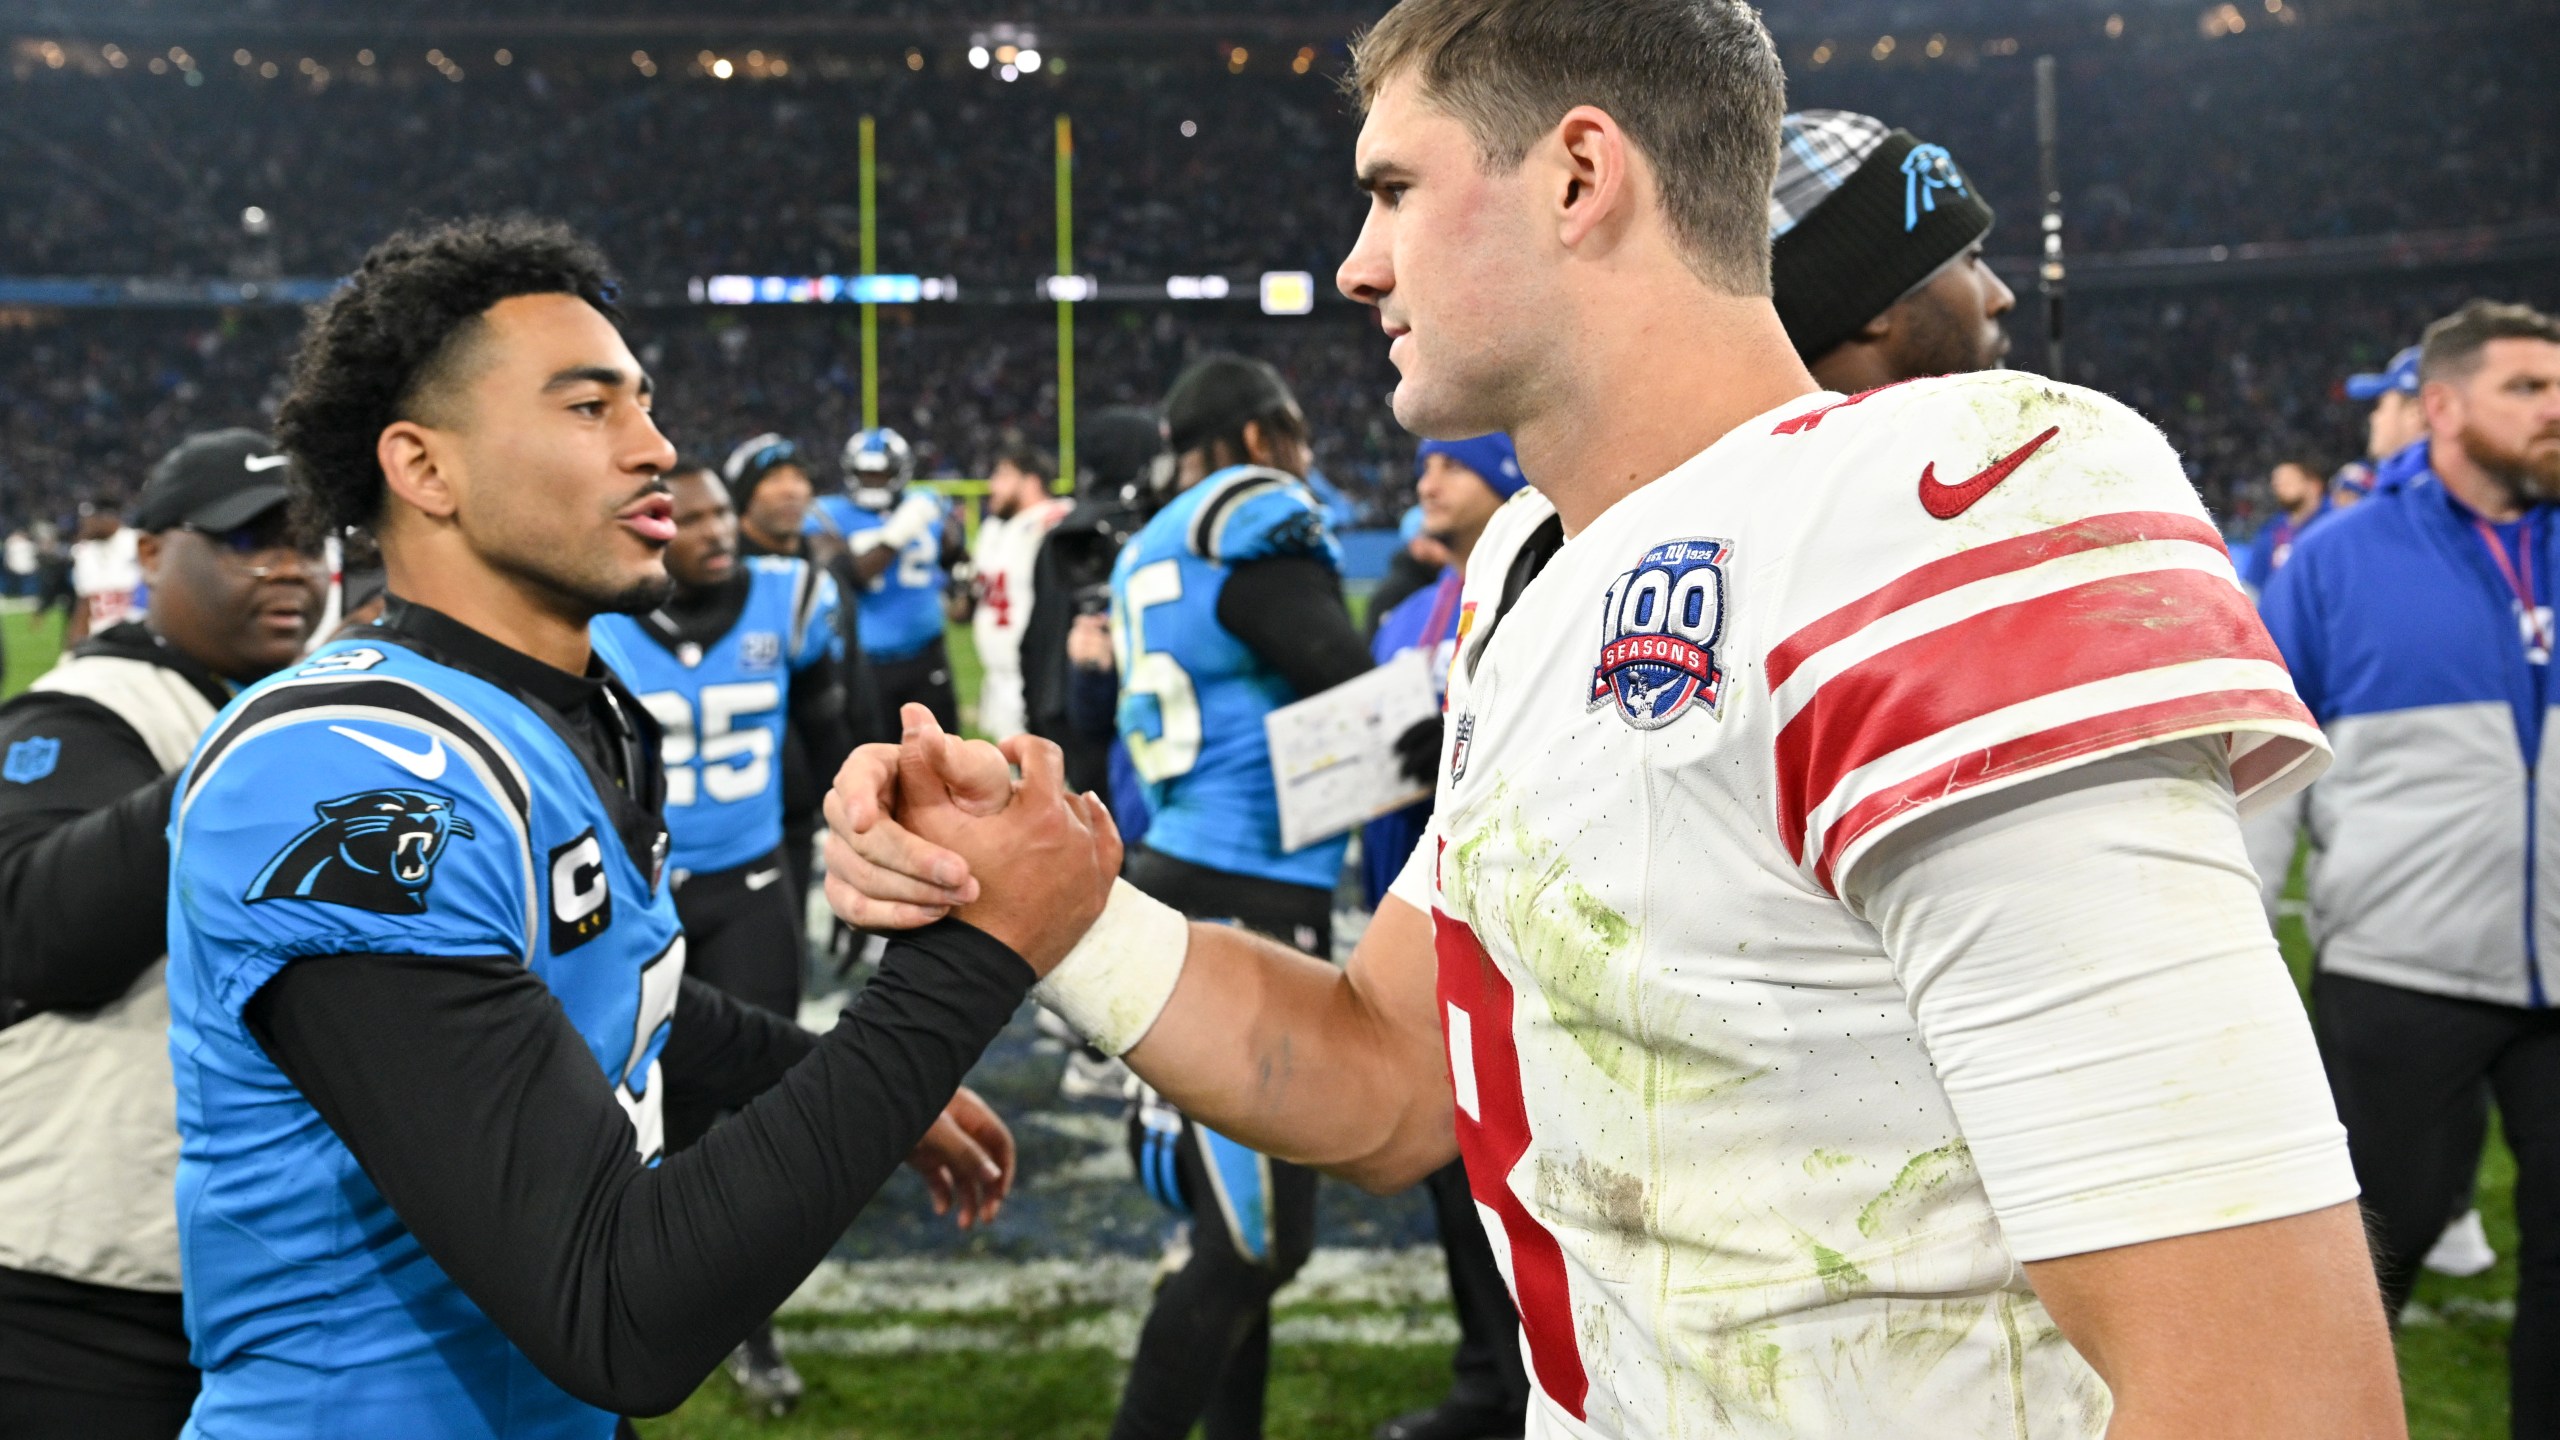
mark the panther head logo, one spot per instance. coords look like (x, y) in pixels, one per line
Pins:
(374, 851)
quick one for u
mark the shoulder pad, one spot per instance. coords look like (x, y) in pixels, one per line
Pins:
(1250, 513)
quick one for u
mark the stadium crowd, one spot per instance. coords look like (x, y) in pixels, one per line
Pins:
(2240, 378)
(2259, 137)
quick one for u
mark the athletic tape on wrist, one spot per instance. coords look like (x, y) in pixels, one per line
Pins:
(1114, 984)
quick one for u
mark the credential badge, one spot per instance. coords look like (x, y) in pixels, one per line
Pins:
(1660, 626)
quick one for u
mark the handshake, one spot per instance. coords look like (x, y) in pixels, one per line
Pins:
(939, 826)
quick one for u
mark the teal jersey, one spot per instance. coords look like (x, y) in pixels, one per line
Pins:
(900, 609)
(1192, 696)
(376, 800)
(723, 700)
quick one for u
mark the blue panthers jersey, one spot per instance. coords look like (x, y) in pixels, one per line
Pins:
(1192, 697)
(899, 612)
(722, 701)
(376, 801)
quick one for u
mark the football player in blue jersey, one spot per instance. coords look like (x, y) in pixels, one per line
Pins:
(771, 494)
(904, 542)
(1226, 606)
(426, 980)
(738, 647)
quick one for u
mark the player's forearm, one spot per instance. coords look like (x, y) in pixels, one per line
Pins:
(624, 1283)
(77, 920)
(1298, 1059)
(2194, 1336)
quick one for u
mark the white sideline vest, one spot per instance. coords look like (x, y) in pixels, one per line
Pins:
(88, 1112)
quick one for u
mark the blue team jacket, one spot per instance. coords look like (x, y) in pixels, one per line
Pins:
(2430, 868)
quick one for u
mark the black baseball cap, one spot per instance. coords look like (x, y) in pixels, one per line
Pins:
(221, 480)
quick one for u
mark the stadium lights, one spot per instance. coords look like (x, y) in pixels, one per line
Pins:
(915, 59)
(822, 289)
(1288, 292)
(1069, 289)
(1007, 74)
(364, 57)
(1028, 61)
(504, 56)
(1195, 287)
(1190, 128)
(255, 221)
(977, 57)
(1822, 53)
(722, 69)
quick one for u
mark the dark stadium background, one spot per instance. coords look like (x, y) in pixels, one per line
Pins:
(2261, 198)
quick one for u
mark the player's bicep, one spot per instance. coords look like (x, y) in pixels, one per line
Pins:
(2087, 963)
(358, 835)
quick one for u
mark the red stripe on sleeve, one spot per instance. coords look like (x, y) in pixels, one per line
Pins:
(2220, 708)
(2121, 625)
(1492, 1145)
(1981, 563)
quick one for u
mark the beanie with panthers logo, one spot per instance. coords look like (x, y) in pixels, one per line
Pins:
(1860, 217)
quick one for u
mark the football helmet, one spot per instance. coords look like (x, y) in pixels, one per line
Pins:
(877, 466)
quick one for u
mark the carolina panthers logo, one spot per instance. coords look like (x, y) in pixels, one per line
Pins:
(1659, 627)
(375, 851)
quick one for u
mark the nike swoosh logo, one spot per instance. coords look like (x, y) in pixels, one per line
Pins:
(762, 878)
(1949, 501)
(427, 764)
(267, 462)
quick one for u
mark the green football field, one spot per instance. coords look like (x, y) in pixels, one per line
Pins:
(919, 1366)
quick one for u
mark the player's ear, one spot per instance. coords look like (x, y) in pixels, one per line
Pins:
(1591, 175)
(412, 468)
(146, 552)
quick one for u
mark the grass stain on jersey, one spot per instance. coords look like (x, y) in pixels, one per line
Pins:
(1840, 1275)
(1926, 1177)
(1516, 887)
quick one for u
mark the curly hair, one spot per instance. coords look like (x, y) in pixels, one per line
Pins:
(374, 351)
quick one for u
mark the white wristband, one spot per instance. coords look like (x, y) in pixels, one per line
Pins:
(1114, 984)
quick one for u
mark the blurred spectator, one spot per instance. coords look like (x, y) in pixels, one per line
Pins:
(89, 1260)
(2302, 497)
(106, 573)
(2419, 630)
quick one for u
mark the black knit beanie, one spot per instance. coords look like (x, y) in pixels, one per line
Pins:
(1861, 215)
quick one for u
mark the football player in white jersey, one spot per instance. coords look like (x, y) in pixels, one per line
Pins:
(1836, 957)
(1020, 511)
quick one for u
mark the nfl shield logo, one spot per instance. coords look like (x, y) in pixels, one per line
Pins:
(1660, 625)
(31, 759)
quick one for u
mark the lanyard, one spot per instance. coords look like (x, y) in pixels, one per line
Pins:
(2538, 648)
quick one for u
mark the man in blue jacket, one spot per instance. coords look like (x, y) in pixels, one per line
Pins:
(2419, 629)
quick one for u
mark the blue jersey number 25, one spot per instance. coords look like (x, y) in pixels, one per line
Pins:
(726, 755)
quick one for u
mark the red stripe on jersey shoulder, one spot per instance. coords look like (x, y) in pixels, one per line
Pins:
(1812, 419)
(2120, 625)
(1493, 1142)
(2098, 532)
(2062, 742)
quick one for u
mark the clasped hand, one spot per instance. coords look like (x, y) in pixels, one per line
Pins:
(938, 826)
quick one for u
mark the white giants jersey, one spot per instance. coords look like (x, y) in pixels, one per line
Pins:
(1720, 1172)
(1003, 557)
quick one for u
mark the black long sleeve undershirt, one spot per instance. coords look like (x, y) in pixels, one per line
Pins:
(1288, 610)
(495, 1137)
(83, 860)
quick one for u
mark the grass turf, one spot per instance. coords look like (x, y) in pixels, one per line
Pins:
(2453, 1360)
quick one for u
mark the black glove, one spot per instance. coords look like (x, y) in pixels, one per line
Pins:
(1418, 751)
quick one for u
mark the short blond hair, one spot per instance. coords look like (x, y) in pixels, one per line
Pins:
(1695, 84)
